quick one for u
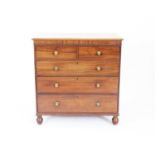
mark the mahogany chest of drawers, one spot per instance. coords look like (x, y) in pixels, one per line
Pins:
(77, 76)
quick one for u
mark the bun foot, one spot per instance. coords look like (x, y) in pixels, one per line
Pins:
(115, 120)
(39, 119)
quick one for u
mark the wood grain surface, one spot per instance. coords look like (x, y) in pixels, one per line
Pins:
(77, 103)
(77, 85)
(78, 68)
(106, 53)
(48, 52)
(77, 76)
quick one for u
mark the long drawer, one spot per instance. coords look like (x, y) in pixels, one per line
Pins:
(78, 68)
(77, 103)
(77, 85)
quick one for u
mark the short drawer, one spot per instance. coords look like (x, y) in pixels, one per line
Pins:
(78, 68)
(77, 103)
(77, 84)
(99, 53)
(56, 53)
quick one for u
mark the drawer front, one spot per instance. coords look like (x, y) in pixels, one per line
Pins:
(78, 68)
(56, 53)
(99, 53)
(77, 103)
(77, 85)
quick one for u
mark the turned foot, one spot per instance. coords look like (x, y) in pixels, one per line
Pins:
(39, 119)
(115, 120)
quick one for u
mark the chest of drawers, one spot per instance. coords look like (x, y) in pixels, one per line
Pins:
(77, 76)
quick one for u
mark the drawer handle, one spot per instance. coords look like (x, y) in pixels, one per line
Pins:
(57, 104)
(55, 53)
(56, 85)
(55, 68)
(98, 53)
(98, 85)
(98, 68)
(98, 104)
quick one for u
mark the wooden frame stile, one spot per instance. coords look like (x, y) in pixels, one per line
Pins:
(39, 118)
(115, 117)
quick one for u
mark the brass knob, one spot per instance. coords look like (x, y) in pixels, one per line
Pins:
(55, 68)
(98, 68)
(55, 53)
(98, 85)
(98, 104)
(57, 103)
(56, 85)
(98, 53)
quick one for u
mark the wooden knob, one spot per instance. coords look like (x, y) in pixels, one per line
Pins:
(98, 104)
(57, 103)
(56, 85)
(98, 85)
(55, 53)
(98, 53)
(98, 68)
(55, 68)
